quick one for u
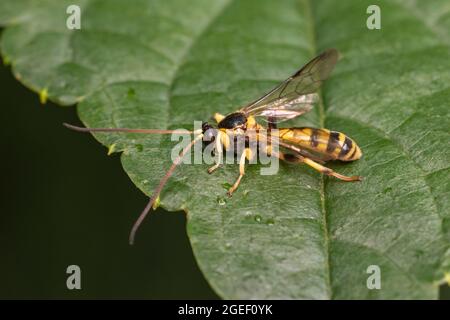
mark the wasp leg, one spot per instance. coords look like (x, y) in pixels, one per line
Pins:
(213, 168)
(218, 153)
(247, 154)
(317, 166)
(328, 171)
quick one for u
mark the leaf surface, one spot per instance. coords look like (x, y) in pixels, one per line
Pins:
(164, 64)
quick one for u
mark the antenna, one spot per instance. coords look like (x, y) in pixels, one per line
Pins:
(169, 172)
(151, 131)
(160, 187)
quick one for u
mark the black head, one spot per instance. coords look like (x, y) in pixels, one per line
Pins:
(208, 131)
(233, 121)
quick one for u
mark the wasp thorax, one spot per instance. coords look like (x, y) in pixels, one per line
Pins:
(236, 120)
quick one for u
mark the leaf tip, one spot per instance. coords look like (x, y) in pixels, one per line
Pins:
(447, 278)
(111, 149)
(43, 95)
(157, 203)
(6, 61)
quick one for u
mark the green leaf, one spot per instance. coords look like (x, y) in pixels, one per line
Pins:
(164, 64)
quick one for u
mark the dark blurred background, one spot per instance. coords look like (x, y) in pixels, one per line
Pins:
(64, 201)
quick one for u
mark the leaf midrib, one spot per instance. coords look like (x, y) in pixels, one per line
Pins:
(321, 109)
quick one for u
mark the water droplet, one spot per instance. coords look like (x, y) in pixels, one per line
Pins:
(145, 181)
(228, 245)
(387, 190)
(270, 221)
(258, 218)
(131, 93)
(221, 201)
(226, 185)
(139, 147)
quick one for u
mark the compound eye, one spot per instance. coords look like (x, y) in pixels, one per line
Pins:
(209, 135)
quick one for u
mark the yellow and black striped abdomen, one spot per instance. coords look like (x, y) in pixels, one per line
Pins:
(335, 145)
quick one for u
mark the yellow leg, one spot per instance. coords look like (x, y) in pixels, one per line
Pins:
(328, 171)
(315, 165)
(213, 168)
(219, 154)
(244, 155)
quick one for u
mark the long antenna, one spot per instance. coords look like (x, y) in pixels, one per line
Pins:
(160, 186)
(156, 131)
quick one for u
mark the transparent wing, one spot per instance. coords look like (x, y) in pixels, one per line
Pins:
(286, 108)
(296, 95)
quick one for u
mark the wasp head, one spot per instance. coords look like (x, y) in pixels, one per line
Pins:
(208, 131)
